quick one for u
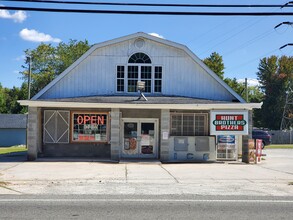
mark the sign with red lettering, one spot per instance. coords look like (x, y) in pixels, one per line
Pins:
(229, 122)
(89, 127)
(90, 119)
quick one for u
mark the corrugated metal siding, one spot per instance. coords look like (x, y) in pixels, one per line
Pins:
(96, 75)
(13, 121)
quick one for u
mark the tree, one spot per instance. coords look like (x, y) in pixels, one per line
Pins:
(236, 86)
(49, 61)
(14, 94)
(3, 107)
(68, 53)
(274, 74)
(8, 100)
(215, 63)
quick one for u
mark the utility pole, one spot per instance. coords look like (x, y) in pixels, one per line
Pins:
(246, 90)
(287, 119)
(29, 77)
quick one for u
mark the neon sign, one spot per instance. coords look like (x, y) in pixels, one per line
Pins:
(90, 119)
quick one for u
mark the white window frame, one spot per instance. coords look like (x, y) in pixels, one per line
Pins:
(139, 65)
(206, 124)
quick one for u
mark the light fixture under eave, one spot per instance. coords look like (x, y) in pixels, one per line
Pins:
(141, 88)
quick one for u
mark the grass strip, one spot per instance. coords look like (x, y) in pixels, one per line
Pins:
(279, 146)
(13, 149)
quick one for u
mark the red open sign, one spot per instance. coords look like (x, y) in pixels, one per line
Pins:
(90, 119)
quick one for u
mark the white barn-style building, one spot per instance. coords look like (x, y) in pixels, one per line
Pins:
(93, 109)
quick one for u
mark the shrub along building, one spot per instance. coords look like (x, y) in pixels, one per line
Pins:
(93, 109)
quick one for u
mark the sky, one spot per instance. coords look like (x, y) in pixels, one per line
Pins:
(241, 40)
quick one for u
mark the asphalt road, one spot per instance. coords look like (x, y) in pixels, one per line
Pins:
(145, 207)
(51, 189)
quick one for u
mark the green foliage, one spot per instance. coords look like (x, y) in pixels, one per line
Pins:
(236, 86)
(8, 100)
(49, 61)
(68, 53)
(274, 75)
(215, 63)
(3, 107)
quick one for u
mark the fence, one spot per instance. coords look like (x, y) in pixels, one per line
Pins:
(282, 137)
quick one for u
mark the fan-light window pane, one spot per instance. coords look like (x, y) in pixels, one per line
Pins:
(139, 58)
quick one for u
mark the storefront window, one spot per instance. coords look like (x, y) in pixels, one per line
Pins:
(89, 127)
(189, 124)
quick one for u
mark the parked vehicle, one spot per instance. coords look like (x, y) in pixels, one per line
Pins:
(263, 135)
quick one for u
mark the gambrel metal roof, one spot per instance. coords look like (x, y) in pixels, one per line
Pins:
(134, 36)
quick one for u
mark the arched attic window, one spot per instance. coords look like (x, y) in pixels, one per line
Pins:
(139, 58)
(139, 68)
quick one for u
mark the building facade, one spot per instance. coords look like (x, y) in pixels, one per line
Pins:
(184, 112)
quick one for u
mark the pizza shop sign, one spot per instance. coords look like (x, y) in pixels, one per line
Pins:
(229, 122)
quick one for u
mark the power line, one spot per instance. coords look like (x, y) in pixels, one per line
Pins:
(154, 4)
(252, 60)
(223, 41)
(287, 4)
(243, 45)
(243, 29)
(285, 22)
(148, 12)
(289, 44)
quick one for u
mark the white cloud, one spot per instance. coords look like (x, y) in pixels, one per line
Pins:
(20, 58)
(156, 35)
(250, 81)
(18, 16)
(35, 36)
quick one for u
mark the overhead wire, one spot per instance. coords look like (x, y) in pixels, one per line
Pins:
(143, 12)
(245, 44)
(232, 36)
(255, 39)
(135, 12)
(253, 59)
(155, 4)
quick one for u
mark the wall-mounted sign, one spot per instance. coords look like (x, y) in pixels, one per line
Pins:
(90, 119)
(229, 122)
(226, 139)
(89, 127)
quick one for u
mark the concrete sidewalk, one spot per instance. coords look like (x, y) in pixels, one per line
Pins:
(86, 177)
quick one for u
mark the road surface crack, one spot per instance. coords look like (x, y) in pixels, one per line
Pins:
(4, 186)
(276, 170)
(126, 173)
(169, 173)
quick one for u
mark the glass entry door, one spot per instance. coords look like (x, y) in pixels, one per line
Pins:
(139, 138)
